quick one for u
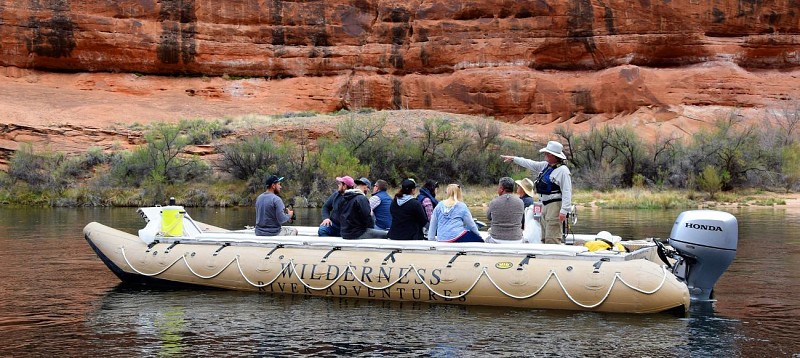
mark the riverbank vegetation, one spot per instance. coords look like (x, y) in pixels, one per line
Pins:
(612, 166)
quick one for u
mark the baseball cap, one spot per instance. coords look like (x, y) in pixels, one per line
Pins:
(408, 184)
(347, 180)
(364, 181)
(272, 179)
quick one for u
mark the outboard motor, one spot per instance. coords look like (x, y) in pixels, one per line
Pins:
(705, 241)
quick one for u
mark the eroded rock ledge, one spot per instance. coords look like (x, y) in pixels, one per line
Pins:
(480, 57)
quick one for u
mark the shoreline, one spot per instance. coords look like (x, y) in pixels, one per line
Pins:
(235, 194)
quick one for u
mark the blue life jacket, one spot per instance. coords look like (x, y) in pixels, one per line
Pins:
(543, 183)
(383, 217)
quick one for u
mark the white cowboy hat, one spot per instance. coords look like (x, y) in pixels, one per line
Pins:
(554, 148)
(526, 185)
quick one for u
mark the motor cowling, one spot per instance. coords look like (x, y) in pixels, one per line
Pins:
(705, 241)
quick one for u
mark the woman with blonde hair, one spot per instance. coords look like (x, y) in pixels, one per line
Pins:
(451, 220)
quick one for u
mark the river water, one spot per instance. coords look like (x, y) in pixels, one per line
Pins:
(58, 299)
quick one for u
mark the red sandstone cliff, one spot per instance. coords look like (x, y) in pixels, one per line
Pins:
(495, 57)
(529, 61)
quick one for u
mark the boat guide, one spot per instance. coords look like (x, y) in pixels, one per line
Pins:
(173, 249)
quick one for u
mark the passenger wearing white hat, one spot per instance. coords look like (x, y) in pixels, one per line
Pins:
(554, 186)
(525, 191)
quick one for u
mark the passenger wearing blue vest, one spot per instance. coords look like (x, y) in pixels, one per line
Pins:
(380, 201)
(554, 186)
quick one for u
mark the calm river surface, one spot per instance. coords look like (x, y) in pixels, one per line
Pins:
(58, 299)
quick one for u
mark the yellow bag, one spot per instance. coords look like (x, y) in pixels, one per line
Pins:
(597, 245)
(601, 244)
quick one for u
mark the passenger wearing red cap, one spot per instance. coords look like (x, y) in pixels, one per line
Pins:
(331, 217)
(355, 216)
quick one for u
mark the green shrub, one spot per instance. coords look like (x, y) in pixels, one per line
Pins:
(790, 165)
(639, 181)
(94, 156)
(297, 114)
(335, 160)
(602, 176)
(200, 131)
(41, 171)
(5, 180)
(158, 160)
(710, 180)
(250, 157)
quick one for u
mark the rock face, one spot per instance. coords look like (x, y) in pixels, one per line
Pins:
(536, 60)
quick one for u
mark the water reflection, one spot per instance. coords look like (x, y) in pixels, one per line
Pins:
(168, 323)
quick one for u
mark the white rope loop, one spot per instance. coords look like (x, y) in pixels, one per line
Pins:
(534, 293)
(663, 280)
(292, 267)
(239, 266)
(610, 287)
(483, 271)
(125, 257)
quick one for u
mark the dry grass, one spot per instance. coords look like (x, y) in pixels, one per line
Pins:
(637, 198)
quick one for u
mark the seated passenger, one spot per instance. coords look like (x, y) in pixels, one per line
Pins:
(380, 202)
(525, 191)
(427, 196)
(355, 217)
(408, 216)
(451, 220)
(271, 213)
(330, 225)
(505, 212)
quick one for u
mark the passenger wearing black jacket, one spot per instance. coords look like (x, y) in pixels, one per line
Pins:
(356, 217)
(331, 217)
(408, 216)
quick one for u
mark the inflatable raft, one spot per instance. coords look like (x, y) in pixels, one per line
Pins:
(175, 250)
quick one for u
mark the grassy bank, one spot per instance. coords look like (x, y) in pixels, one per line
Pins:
(637, 198)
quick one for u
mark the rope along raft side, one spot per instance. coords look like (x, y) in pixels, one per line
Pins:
(290, 270)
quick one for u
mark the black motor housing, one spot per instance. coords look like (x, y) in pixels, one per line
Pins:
(705, 241)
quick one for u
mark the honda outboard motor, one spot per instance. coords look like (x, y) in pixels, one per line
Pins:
(705, 241)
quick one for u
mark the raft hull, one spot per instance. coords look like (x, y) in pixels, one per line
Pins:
(527, 276)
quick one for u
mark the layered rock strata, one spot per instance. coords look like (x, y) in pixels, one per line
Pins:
(496, 57)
